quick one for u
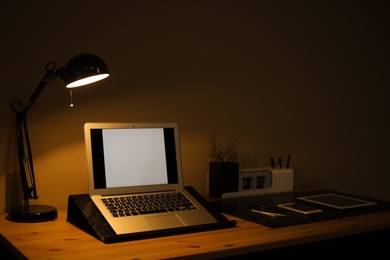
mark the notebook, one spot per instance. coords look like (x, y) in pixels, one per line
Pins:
(140, 162)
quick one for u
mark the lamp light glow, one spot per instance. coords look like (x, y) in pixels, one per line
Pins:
(85, 81)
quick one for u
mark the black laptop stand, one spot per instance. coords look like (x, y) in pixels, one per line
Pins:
(83, 214)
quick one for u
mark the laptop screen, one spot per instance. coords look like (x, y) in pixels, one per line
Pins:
(129, 157)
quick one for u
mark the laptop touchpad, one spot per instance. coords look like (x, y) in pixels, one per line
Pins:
(167, 221)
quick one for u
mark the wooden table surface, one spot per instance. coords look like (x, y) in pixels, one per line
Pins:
(59, 239)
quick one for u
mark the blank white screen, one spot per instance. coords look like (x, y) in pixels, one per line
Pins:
(134, 157)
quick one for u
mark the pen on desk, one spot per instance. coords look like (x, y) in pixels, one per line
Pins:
(267, 213)
(272, 163)
(288, 161)
(280, 162)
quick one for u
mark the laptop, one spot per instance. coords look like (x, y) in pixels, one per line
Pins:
(139, 163)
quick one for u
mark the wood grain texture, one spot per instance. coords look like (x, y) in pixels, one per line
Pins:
(59, 239)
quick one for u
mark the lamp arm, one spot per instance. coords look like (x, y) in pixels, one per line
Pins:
(23, 141)
(25, 160)
(50, 75)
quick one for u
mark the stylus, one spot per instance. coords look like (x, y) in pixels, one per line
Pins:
(288, 161)
(272, 214)
(272, 163)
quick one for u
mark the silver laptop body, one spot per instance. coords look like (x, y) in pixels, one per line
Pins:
(134, 159)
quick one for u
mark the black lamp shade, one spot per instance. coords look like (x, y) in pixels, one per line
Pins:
(84, 69)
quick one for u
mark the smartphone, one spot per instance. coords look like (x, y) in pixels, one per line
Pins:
(300, 208)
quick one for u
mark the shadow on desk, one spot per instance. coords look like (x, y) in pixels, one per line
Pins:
(371, 244)
(9, 251)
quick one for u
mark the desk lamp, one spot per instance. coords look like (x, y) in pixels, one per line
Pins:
(80, 70)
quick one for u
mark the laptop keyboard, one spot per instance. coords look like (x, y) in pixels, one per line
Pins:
(135, 205)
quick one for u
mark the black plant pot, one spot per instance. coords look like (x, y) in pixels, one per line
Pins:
(223, 177)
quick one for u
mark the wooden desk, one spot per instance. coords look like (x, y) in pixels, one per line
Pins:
(59, 239)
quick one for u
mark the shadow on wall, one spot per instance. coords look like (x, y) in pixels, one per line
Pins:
(13, 190)
(12, 182)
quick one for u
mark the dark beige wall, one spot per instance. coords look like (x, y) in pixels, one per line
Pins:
(308, 78)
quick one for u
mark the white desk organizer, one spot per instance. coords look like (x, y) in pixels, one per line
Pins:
(262, 181)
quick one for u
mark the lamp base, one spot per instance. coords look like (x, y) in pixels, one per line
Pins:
(32, 213)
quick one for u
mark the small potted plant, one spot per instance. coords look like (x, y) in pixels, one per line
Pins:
(223, 168)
